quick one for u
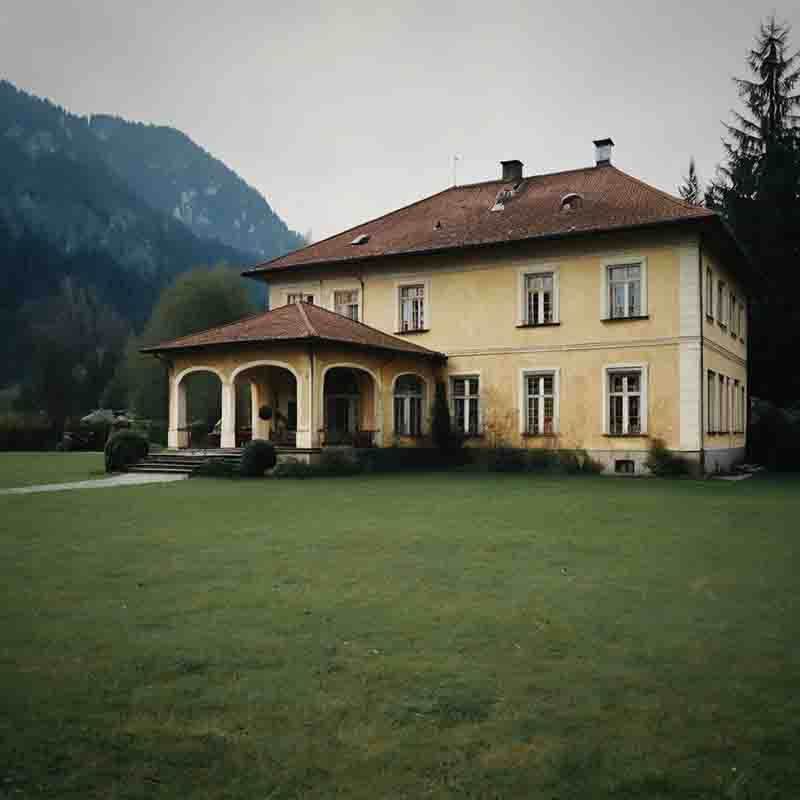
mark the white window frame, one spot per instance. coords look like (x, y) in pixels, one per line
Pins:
(526, 373)
(740, 323)
(732, 305)
(709, 293)
(406, 398)
(622, 260)
(608, 370)
(722, 316)
(452, 378)
(357, 304)
(530, 271)
(425, 283)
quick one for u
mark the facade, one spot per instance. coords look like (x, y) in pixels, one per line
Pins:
(583, 309)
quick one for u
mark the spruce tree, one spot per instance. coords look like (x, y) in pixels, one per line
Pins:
(758, 193)
(690, 188)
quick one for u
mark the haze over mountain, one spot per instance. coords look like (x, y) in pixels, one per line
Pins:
(119, 206)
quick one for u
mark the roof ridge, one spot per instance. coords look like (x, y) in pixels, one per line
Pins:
(675, 200)
(256, 267)
(524, 177)
(309, 325)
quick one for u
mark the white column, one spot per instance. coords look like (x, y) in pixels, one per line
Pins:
(259, 396)
(228, 438)
(307, 435)
(177, 435)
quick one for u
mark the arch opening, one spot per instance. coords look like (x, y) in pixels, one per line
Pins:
(266, 404)
(350, 400)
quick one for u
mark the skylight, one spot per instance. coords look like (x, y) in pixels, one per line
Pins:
(362, 238)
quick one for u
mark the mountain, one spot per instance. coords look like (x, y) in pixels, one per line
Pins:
(174, 175)
(120, 206)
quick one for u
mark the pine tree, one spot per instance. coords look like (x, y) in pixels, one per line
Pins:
(690, 189)
(757, 191)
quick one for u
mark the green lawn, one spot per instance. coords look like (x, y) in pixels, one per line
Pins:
(27, 469)
(438, 636)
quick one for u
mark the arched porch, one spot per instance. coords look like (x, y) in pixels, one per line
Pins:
(351, 406)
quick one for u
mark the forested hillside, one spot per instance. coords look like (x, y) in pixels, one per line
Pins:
(119, 207)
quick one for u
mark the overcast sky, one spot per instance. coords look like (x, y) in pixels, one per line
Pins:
(339, 112)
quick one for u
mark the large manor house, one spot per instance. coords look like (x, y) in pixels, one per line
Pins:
(580, 309)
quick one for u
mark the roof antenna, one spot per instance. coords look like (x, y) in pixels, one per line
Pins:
(456, 159)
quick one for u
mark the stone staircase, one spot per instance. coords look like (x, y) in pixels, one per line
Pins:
(184, 462)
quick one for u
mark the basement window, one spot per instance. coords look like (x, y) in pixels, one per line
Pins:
(624, 466)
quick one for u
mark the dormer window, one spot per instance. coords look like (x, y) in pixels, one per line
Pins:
(360, 239)
(571, 202)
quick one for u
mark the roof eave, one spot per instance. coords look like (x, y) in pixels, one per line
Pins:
(265, 269)
(156, 350)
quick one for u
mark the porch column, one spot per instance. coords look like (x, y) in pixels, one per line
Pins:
(228, 437)
(177, 435)
(307, 435)
(259, 396)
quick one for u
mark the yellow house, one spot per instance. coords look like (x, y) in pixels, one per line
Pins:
(581, 309)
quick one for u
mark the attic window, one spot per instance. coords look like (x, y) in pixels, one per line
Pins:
(571, 202)
(362, 238)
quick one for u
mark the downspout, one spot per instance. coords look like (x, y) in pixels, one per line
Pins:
(702, 367)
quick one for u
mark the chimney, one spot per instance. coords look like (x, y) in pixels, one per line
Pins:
(602, 151)
(512, 170)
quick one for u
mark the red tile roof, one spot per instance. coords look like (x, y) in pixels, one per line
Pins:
(461, 217)
(293, 323)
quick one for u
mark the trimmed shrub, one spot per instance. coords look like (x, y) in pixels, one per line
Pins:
(450, 442)
(257, 457)
(506, 459)
(663, 462)
(292, 468)
(265, 412)
(339, 462)
(125, 448)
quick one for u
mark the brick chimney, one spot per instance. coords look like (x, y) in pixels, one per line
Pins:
(512, 170)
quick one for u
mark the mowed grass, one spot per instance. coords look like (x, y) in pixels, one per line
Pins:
(441, 636)
(27, 469)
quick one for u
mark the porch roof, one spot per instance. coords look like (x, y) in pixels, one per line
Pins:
(295, 322)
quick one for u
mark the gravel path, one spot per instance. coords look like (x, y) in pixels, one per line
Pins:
(128, 479)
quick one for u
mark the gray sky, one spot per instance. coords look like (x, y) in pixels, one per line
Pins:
(339, 112)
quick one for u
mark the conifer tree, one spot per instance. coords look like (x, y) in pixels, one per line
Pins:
(757, 191)
(690, 188)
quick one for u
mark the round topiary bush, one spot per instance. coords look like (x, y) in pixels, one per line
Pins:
(124, 448)
(257, 457)
(265, 412)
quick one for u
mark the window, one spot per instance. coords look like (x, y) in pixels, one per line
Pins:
(539, 298)
(540, 403)
(721, 315)
(732, 313)
(743, 410)
(408, 391)
(624, 291)
(412, 307)
(721, 405)
(345, 302)
(299, 297)
(709, 293)
(466, 404)
(625, 402)
(737, 411)
(741, 320)
(711, 426)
